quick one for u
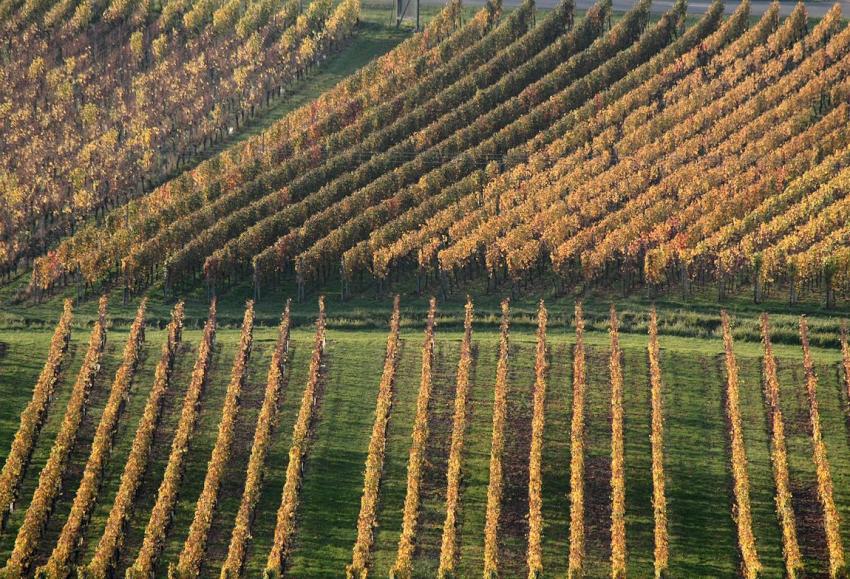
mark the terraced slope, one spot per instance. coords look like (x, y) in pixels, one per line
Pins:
(642, 153)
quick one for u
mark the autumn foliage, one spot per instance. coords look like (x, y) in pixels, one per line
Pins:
(831, 517)
(570, 145)
(266, 422)
(403, 566)
(367, 519)
(64, 553)
(112, 540)
(118, 122)
(225, 182)
(33, 416)
(166, 499)
(50, 479)
(742, 512)
(449, 542)
(285, 526)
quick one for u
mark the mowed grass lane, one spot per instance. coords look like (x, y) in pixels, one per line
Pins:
(333, 469)
(702, 532)
(125, 433)
(394, 482)
(18, 382)
(832, 401)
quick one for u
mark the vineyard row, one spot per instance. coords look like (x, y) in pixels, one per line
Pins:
(66, 557)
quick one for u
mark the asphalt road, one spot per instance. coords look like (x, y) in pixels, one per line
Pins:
(816, 9)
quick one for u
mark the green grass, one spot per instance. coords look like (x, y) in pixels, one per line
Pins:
(330, 494)
(556, 449)
(696, 464)
(702, 532)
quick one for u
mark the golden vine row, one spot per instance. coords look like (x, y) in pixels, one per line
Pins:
(751, 566)
(259, 450)
(194, 548)
(367, 519)
(285, 526)
(112, 539)
(831, 518)
(535, 460)
(166, 499)
(63, 555)
(33, 416)
(494, 486)
(403, 567)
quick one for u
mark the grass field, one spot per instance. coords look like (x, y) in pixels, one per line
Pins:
(702, 532)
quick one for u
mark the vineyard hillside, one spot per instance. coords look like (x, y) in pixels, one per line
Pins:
(331, 288)
(577, 150)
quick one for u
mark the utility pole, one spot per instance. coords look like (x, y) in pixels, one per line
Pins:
(400, 9)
